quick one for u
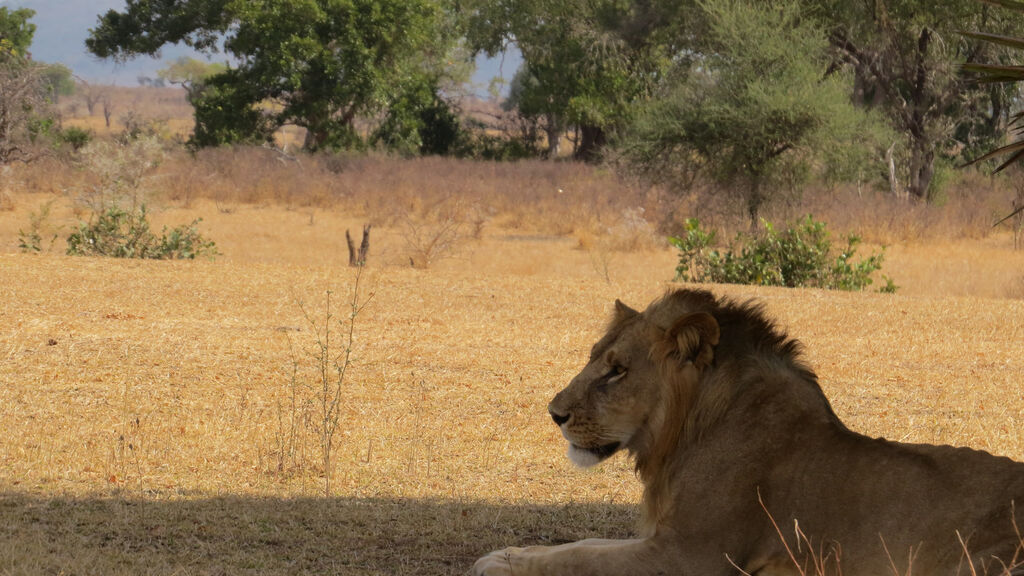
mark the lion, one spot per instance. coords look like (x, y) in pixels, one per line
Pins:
(746, 468)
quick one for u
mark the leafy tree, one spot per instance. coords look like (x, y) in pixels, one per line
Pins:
(28, 91)
(536, 99)
(1002, 73)
(420, 116)
(190, 73)
(319, 64)
(26, 117)
(905, 55)
(24, 111)
(58, 81)
(587, 60)
(16, 32)
(759, 110)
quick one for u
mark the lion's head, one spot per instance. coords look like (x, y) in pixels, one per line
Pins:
(653, 382)
(639, 381)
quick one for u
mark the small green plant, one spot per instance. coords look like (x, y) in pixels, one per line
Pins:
(75, 137)
(802, 255)
(32, 241)
(185, 243)
(126, 234)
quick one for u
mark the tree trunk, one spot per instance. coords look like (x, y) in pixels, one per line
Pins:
(915, 91)
(755, 200)
(358, 259)
(894, 185)
(554, 134)
(922, 168)
(315, 139)
(866, 92)
(592, 140)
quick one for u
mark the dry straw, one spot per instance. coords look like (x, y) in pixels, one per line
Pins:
(141, 400)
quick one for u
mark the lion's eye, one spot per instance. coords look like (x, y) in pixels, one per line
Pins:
(616, 373)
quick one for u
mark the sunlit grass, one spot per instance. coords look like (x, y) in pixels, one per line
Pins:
(142, 402)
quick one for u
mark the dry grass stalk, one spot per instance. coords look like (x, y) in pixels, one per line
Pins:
(123, 170)
(330, 369)
(817, 561)
(601, 256)
(433, 235)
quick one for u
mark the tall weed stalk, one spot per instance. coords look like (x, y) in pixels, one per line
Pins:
(331, 367)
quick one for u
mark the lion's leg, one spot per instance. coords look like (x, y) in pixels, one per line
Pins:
(586, 557)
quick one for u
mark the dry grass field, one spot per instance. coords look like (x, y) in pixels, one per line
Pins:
(162, 418)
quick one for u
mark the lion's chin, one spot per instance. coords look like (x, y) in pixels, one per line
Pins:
(587, 457)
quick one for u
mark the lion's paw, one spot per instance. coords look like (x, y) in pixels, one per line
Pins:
(497, 563)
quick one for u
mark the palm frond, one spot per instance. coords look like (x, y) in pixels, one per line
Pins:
(1000, 73)
(1011, 41)
(988, 73)
(1016, 150)
(1008, 216)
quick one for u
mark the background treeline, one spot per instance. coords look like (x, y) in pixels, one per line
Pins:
(755, 98)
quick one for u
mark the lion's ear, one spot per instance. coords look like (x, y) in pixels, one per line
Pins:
(694, 337)
(623, 312)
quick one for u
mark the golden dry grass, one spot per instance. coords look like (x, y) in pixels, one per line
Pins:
(167, 106)
(143, 402)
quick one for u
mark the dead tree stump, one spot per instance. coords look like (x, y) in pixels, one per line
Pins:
(358, 258)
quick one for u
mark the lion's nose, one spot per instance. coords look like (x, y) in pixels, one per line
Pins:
(558, 418)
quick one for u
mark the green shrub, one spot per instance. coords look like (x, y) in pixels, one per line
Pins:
(32, 241)
(121, 234)
(799, 256)
(76, 137)
(185, 243)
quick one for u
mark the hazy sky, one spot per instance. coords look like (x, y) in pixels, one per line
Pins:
(63, 25)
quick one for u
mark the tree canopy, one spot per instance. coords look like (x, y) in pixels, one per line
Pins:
(319, 64)
(758, 110)
(586, 60)
(16, 31)
(190, 73)
(28, 90)
(906, 56)
(592, 63)
(1008, 72)
(380, 72)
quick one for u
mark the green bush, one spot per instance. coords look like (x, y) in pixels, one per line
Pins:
(75, 137)
(32, 241)
(799, 256)
(121, 234)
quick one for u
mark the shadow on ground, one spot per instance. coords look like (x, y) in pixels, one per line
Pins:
(234, 535)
